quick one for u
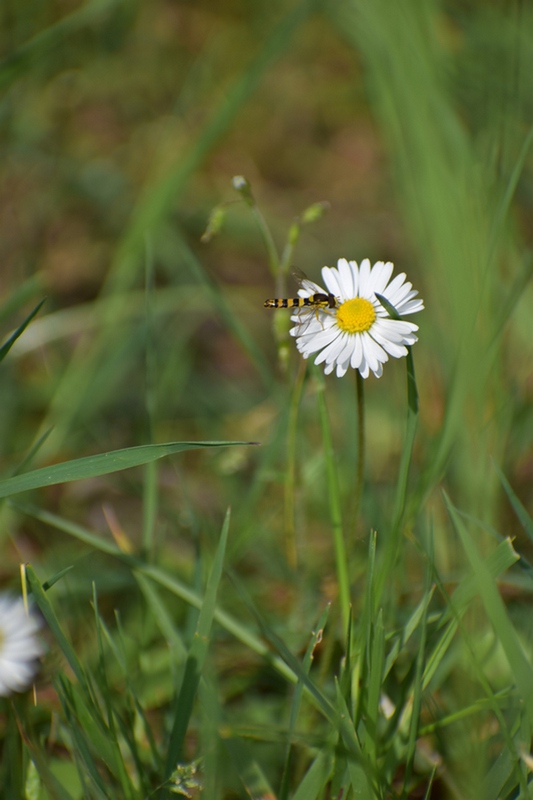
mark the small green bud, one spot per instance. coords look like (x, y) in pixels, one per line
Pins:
(214, 224)
(242, 185)
(314, 212)
(294, 233)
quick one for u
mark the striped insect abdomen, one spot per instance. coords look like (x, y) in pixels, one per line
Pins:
(287, 302)
(318, 300)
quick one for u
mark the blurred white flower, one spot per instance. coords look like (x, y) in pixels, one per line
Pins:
(20, 646)
(358, 332)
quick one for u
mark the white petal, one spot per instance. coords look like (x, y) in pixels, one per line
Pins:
(410, 307)
(394, 330)
(322, 339)
(364, 278)
(396, 284)
(392, 348)
(372, 351)
(357, 353)
(345, 279)
(364, 370)
(380, 276)
(330, 353)
(19, 645)
(342, 369)
(350, 344)
(330, 277)
(355, 275)
(378, 372)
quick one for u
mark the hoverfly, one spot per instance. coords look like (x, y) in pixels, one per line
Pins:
(316, 301)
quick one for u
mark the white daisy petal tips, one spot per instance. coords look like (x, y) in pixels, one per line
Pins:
(20, 646)
(358, 332)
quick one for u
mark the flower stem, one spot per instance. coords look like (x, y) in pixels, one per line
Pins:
(334, 502)
(360, 474)
(394, 538)
(290, 474)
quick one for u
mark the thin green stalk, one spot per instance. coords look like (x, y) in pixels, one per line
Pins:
(334, 502)
(273, 257)
(290, 475)
(150, 487)
(393, 541)
(360, 474)
(242, 185)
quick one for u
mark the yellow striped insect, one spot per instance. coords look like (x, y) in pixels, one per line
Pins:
(316, 301)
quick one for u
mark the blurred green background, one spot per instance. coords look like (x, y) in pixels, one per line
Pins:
(121, 127)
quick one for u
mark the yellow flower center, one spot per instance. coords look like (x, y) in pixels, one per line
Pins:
(356, 316)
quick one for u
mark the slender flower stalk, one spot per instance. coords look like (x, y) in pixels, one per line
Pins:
(341, 556)
(360, 470)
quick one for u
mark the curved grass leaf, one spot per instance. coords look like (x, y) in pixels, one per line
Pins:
(101, 464)
(6, 347)
(196, 658)
(28, 54)
(499, 617)
(520, 511)
(316, 777)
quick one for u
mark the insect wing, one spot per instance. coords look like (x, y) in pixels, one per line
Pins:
(307, 287)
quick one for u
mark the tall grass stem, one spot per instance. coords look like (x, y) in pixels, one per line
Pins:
(334, 501)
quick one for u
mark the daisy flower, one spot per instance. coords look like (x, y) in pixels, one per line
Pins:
(19, 645)
(357, 332)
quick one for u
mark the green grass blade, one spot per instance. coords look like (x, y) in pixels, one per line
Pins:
(20, 295)
(496, 563)
(363, 641)
(521, 513)
(71, 528)
(101, 464)
(81, 752)
(28, 458)
(400, 500)
(119, 768)
(510, 189)
(412, 624)
(225, 312)
(474, 708)
(250, 773)
(28, 54)
(156, 202)
(414, 722)
(306, 666)
(160, 198)
(162, 617)
(6, 347)
(341, 556)
(53, 623)
(377, 656)
(55, 789)
(316, 777)
(358, 766)
(196, 657)
(288, 658)
(498, 615)
(176, 587)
